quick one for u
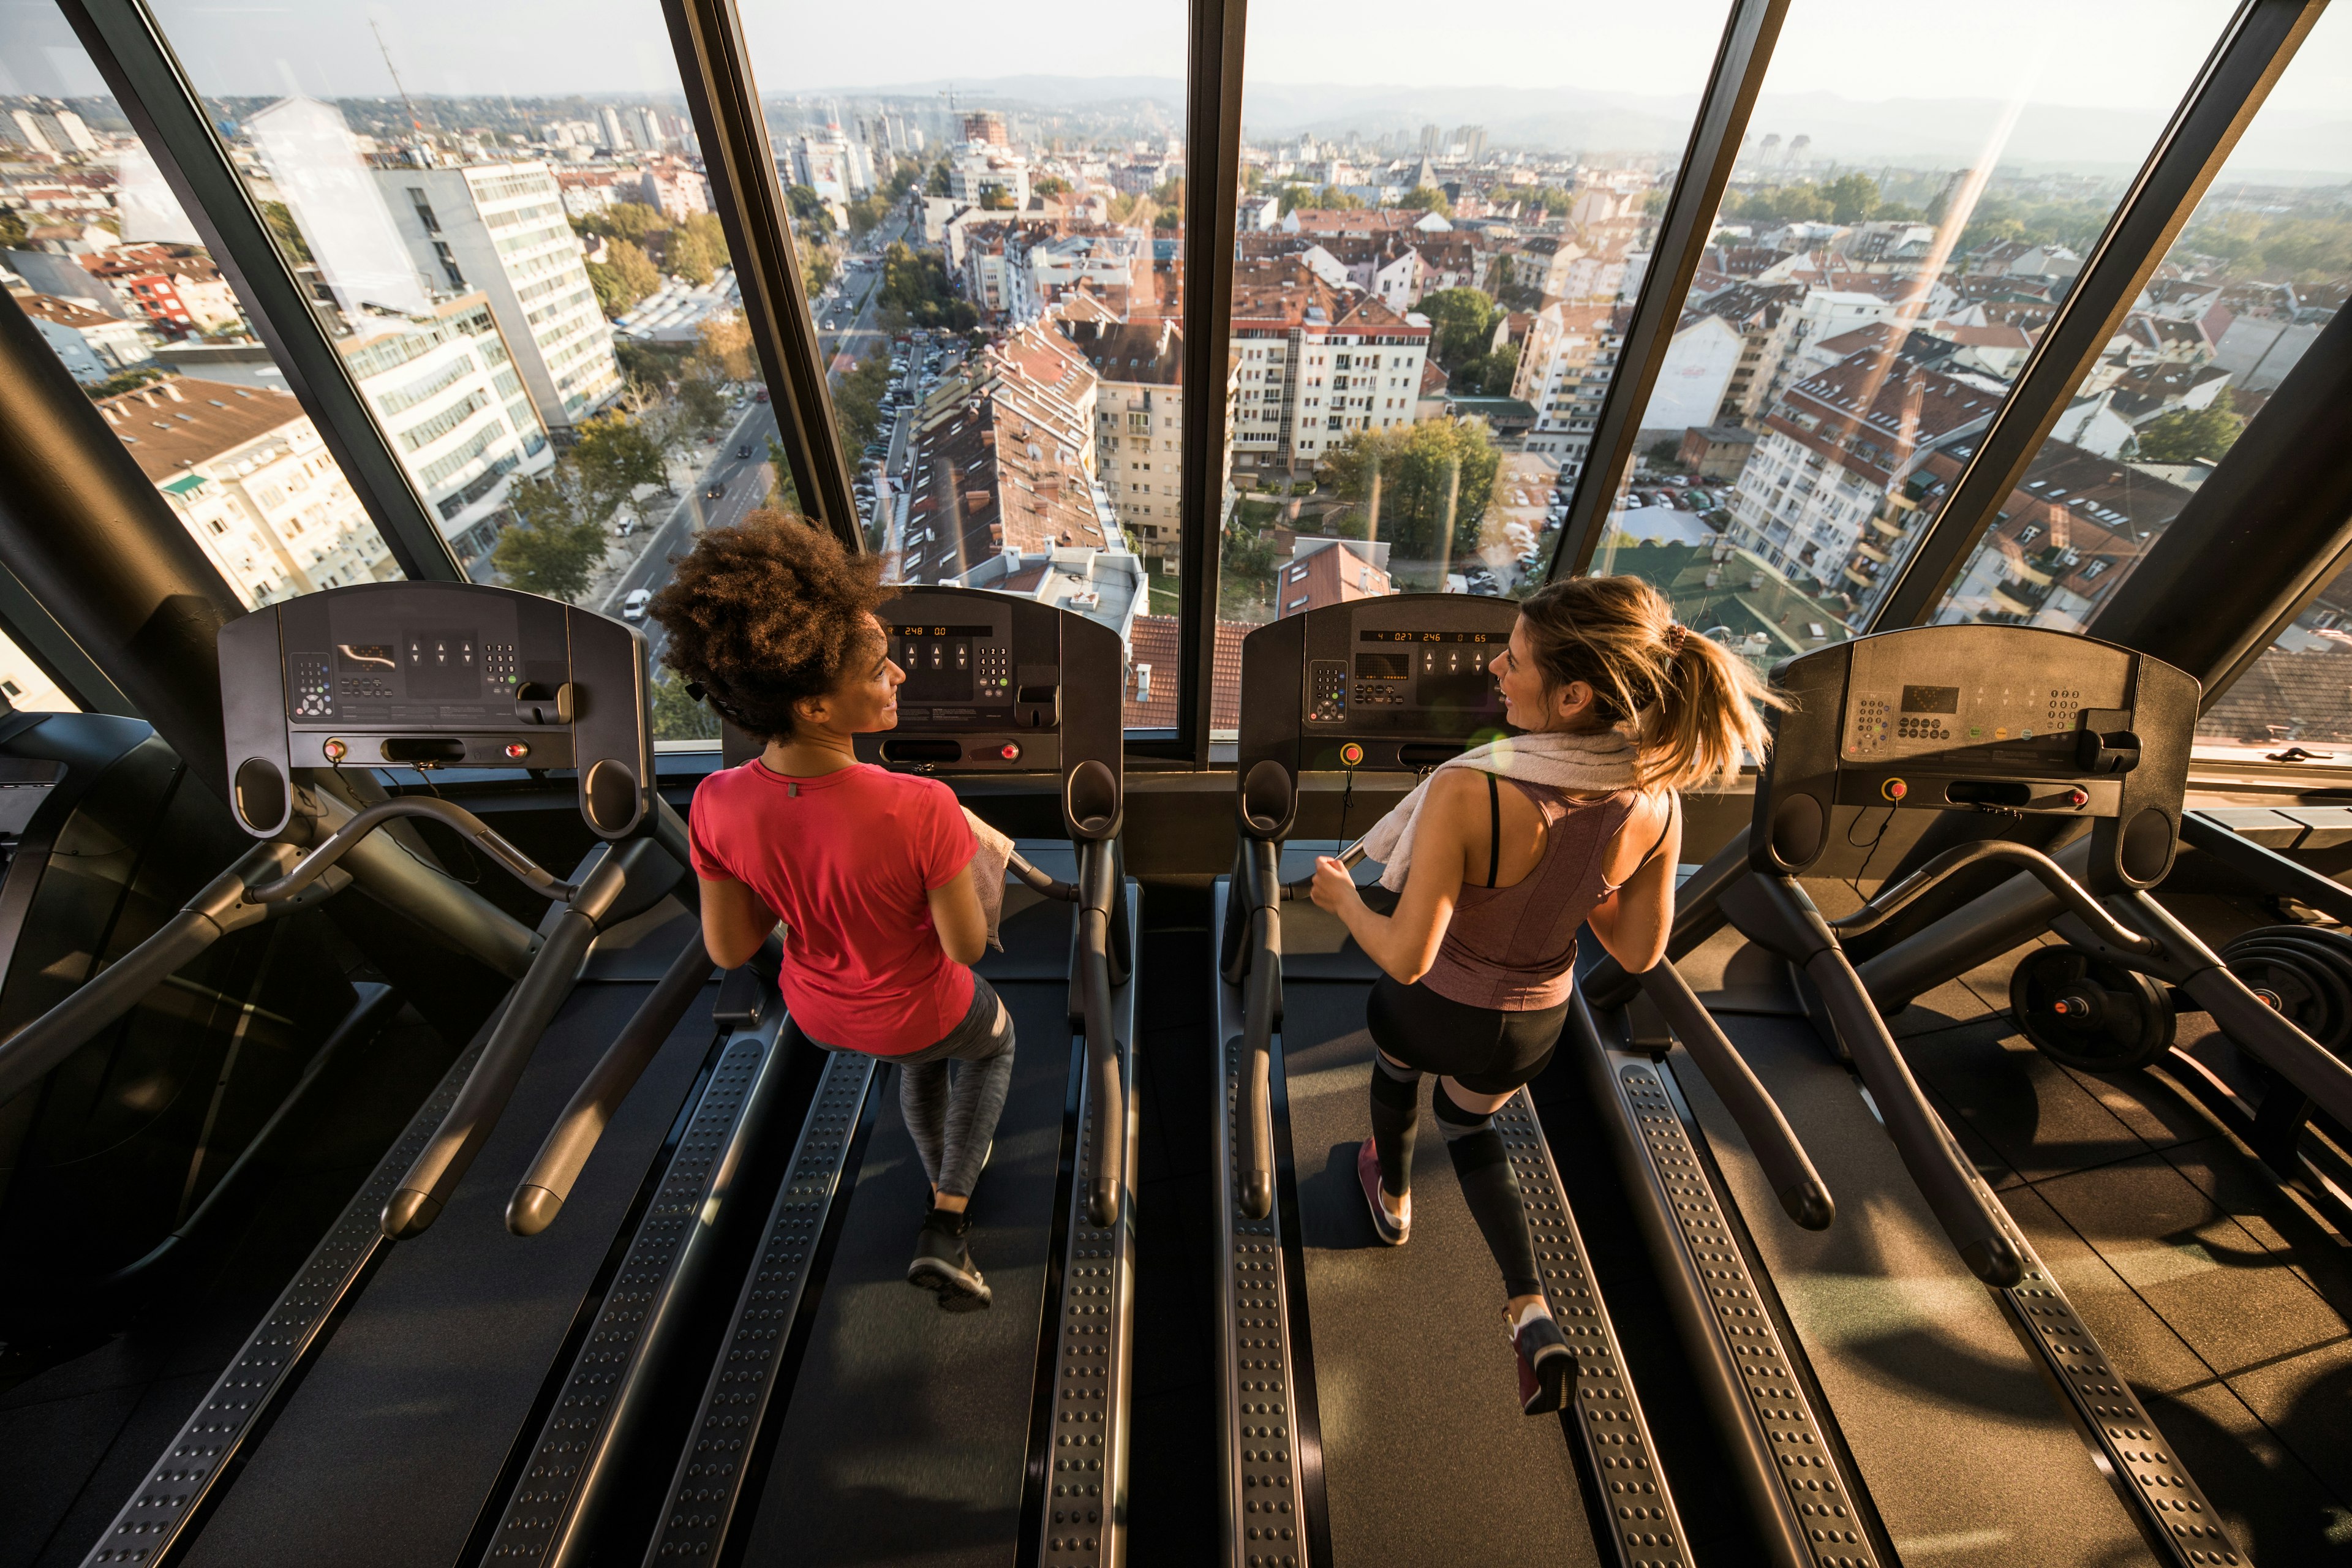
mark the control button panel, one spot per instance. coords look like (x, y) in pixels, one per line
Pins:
(314, 687)
(1326, 691)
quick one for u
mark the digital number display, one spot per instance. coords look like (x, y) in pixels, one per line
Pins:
(1931, 700)
(943, 631)
(367, 655)
(1435, 637)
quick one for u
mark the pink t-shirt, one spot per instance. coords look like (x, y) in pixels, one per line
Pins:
(846, 860)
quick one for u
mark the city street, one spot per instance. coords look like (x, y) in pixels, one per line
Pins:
(748, 483)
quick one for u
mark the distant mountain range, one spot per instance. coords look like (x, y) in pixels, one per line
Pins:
(1918, 133)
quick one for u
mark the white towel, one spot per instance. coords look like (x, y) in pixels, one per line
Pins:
(1595, 761)
(988, 874)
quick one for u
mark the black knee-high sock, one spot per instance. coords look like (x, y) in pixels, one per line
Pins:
(1484, 1167)
(1396, 1098)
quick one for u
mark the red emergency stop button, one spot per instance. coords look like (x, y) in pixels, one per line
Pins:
(1010, 751)
(1893, 789)
(336, 751)
(517, 750)
(1352, 754)
(2078, 798)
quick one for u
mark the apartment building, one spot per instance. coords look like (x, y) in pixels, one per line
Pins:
(1138, 426)
(93, 345)
(1316, 363)
(499, 229)
(244, 470)
(450, 399)
(1565, 367)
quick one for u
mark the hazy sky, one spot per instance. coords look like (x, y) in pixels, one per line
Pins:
(2099, 54)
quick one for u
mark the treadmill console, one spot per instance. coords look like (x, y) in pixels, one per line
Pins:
(994, 685)
(1395, 683)
(430, 675)
(2012, 720)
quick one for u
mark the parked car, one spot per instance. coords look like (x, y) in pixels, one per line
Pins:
(633, 608)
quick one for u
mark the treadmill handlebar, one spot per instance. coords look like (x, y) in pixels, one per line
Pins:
(1053, 887)
(2078, 900)
(1098, 888)
(1261, 981)
(339, 843)
(1786, 1165)
(1304, 888)
(221, 905)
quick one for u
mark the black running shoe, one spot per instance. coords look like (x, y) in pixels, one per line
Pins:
(943, 1264)
(1546, 1367)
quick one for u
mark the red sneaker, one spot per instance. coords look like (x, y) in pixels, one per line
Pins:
(1368, 1174)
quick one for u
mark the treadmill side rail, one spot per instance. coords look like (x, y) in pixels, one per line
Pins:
(709, 1484)
(553, 1516)
(158, 1516)
(1084, 1522)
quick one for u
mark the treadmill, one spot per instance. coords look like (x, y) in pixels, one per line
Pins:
(845, 1418)
(380, 1410)
(1368, 1413)
(1968, 1390)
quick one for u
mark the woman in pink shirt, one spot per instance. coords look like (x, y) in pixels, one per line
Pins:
(868, 872)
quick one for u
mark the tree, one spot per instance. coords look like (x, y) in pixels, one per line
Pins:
(702, 402)
(936, 184)
(1852, 198)
(857, 401)
(613, 456)
(1245, 568)
(2188, 436)
(678, 716)
(632, 221)
(287, 232)
(689, 257)
(12, 227)
(816, 266)
(1464, 320)
(1666, 453)
(1490, 374)
(995, 199)
(548, 548)
(623, 278)
(1051, 185)
(1419, 471)
(811, 217)
(1333, 199)
(865, 213)
(786, 497)
(1428, 199)
(726, 347)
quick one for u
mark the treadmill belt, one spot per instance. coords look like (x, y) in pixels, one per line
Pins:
(1426, 1456)
(907, 1434)
(387, 1451)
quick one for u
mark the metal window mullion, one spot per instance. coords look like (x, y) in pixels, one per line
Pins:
(1213, 130)
(2221, 103)
(1749, 36)
(28, 625)
(714, 64)
(163, 106)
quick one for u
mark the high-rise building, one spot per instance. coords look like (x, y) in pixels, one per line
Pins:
(326, 186)
(1316, 362)
(501, 228)
(986, 125)
(616, 135)
(450, 398)
(645, 124)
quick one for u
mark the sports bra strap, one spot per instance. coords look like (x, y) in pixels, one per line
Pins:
(1673, 808)
(1494, 830)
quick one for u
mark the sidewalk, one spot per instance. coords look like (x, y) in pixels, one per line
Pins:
(686, 477)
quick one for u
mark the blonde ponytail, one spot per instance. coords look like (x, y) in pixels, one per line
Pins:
(1694, 708)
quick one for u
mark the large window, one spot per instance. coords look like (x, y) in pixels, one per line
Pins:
(1443, 227)
(1893, 241)
(996, 271)
(2264, 263)
(101, 257)
(512, 246)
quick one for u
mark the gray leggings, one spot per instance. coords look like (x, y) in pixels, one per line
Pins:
(952, 1118)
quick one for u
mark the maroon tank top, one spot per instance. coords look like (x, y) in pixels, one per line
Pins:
(1514, 949)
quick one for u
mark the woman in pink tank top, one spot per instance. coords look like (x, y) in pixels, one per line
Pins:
(1478, 956)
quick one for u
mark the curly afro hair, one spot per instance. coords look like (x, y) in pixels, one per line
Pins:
(765, 614)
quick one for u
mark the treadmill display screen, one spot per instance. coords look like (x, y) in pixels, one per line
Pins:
(1931, 700)
(409, 662)
(1494, 638)
(1423, 669)
(956, 674)
(942, 631)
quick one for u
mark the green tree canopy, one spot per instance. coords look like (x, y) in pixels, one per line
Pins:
(916, 291)
(689, 257)
(677, 715)
(613, 456)
(702, 400)
(866, 212)
(623, 278)
(1419, 472)
(548, 548)
(1490, 374)
(624, 220)
(1051, 185)
(1333, 199)
(1852, 198)
(857, 400)
(811, 216)
(938, 183)
(995, 199)
(2188, 435)
(1463, 322)
(12, 227)
(1428, 199)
